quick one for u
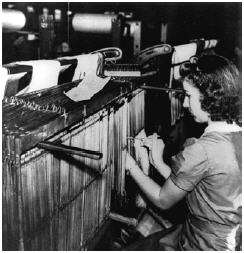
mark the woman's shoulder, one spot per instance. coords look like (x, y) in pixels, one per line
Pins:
(221, 147)
(208, 145)
(212, 145)
(220, 138)
(194, 149)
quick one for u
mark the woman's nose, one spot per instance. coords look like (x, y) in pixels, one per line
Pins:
(186, 102)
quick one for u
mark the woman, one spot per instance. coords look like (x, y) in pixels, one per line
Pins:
(208, 171)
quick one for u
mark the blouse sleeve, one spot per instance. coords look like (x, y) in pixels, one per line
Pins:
(189, 166)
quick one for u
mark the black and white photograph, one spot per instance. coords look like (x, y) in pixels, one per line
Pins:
(121, 126)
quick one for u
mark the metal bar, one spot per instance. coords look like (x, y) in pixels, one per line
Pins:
(127, 220)
(161, 89)
(141, 139)
(70, 150)
(27, 32)
(165, 223)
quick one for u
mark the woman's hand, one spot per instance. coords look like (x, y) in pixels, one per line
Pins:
(156, 149)
(141, 152)
(130, 162)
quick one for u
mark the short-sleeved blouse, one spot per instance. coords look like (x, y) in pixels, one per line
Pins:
(209, 169)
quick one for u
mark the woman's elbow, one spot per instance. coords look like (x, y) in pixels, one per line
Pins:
(166, 200)
(169, 195)
(165, 205)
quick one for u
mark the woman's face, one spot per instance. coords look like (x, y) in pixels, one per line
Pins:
(193, 104)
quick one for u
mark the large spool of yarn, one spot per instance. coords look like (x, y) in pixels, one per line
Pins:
(93, 23)
(12, 20)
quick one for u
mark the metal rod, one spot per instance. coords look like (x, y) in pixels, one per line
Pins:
(160, 220)
(129, 221)
(70, 150)
(149, 73)
(68, 24)
(27, 32)
(161, 89)
(141, 139)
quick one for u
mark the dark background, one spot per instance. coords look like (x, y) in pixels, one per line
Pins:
(186, 21)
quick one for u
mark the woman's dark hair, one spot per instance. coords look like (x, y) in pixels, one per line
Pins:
(219, 82)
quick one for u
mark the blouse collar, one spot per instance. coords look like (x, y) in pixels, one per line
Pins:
(222, 127)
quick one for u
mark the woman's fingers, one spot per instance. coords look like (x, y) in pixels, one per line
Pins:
(154, 141)
(147, 143)
(150, 141)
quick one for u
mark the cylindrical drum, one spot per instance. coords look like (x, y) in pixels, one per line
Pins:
(93, 23)
(12, 20)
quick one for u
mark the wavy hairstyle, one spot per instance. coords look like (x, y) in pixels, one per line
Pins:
(219, 83)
